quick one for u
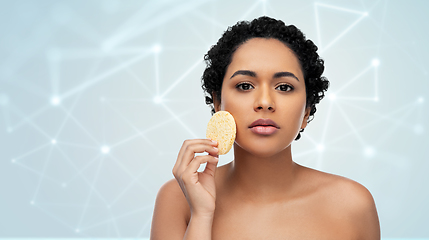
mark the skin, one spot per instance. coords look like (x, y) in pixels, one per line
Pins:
(262, 193)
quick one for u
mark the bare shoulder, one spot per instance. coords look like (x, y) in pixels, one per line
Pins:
(170, 215)
(357, 205)
(348, 201)
(340, 188)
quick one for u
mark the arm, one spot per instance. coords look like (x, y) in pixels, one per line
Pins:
(200, 227)
(192, 192)
(356, 205)
(169, 217)
(366, 217)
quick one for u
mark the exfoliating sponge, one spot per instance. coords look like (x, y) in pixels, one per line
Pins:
(222, 129)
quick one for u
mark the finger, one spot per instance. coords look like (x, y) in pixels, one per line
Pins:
(190, 154)
(185, 145)
(189, 142)
(211, 167)
(190, 174)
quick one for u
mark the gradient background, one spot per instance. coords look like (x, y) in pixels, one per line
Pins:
(96, 98)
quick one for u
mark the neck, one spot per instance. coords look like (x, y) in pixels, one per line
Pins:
(262, 178)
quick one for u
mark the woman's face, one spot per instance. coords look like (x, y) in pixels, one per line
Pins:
(264, 82)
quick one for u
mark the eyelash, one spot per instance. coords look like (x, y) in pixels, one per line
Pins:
(240, 87)
(287, 85)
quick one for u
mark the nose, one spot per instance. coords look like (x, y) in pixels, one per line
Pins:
(264, 100)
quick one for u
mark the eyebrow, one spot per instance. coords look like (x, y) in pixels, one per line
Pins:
(244, 72)
(253, 74)
(285, 74)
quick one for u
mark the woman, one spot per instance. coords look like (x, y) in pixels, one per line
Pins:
(268, 76)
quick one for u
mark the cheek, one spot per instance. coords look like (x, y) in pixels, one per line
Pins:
(230, 101)
(292, 112)
(298, 108)
(239, 108)
(236, 107)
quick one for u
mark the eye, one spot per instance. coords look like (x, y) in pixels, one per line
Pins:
(284, 88)
(244, 86)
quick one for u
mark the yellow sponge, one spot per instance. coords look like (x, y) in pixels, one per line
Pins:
(222, 129)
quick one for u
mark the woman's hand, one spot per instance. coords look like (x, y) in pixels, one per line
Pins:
(198, 187)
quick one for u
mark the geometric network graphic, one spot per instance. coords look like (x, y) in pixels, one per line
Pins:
(97, 97)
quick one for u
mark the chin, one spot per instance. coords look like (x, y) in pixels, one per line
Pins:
(262, 151)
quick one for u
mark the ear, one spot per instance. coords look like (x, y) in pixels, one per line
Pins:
(306, 116)
(216, 102)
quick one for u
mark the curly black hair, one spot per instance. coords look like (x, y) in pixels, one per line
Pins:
(219, 57)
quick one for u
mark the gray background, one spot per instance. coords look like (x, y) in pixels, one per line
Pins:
(96, 98)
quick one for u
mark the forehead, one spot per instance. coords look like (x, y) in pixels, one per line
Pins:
(265, 55)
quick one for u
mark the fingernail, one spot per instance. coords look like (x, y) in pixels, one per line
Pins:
(214, 141)
(215, 148)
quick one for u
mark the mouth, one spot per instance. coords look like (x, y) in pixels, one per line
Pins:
(264, 127)
(264, 123)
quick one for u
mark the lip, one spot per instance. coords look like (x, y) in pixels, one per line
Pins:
(264, 127)
(264, 122)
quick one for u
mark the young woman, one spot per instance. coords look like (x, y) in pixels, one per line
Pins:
(268, 76)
